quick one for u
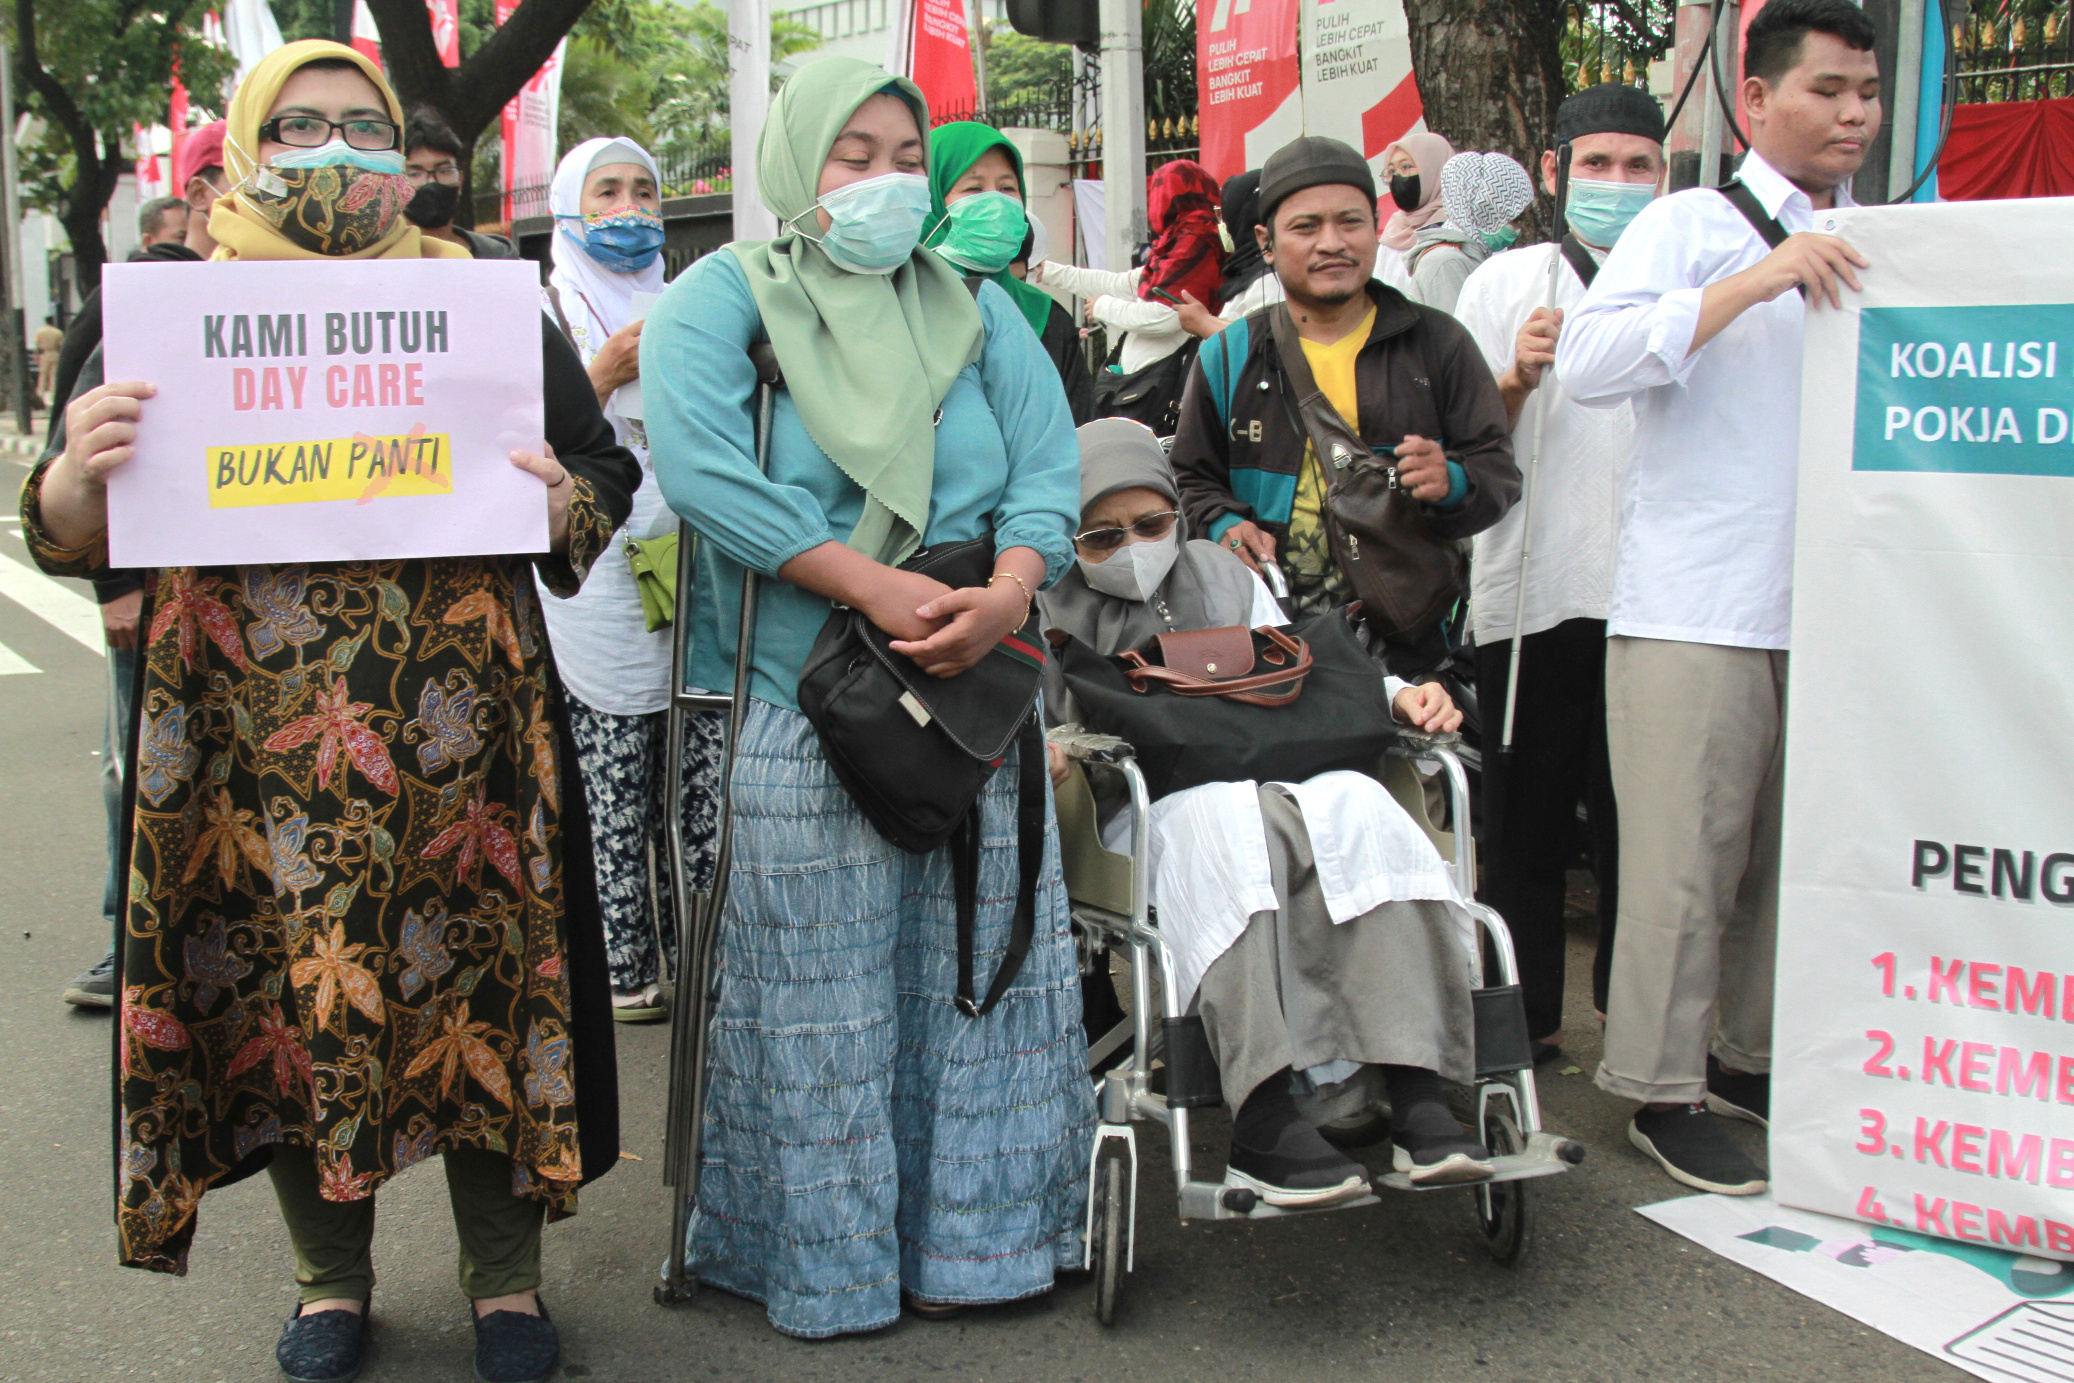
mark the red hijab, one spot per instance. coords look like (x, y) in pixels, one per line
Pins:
(1181, 204)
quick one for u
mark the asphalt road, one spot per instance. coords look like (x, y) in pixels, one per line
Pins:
(1401, 1291)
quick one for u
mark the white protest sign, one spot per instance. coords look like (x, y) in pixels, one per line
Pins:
(321, 411)
(1357, 79)
(1924, 1046)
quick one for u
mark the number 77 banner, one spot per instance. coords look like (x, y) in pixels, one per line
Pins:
(1923, 1069)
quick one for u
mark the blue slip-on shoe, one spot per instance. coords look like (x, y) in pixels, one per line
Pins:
(513, 1347)
(323, 1347)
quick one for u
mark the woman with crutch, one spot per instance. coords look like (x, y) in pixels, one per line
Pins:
(863, 1137)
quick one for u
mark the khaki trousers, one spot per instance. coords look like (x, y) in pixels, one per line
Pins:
(1696, 734)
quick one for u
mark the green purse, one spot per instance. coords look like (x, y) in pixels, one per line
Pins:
(654, 561)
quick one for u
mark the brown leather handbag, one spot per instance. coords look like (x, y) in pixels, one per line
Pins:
(1404, 575)
(1223, 662)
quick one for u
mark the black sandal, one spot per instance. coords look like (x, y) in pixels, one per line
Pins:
(323, 1347)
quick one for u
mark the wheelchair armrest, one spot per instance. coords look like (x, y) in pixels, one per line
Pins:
(1416, 744)
(1089, 745)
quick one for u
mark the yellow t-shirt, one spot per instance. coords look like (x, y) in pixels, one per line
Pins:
(1314, 574)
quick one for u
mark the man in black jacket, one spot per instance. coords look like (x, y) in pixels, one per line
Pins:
(1408, 378)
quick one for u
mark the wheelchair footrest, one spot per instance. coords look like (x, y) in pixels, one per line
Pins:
(1544, 1157)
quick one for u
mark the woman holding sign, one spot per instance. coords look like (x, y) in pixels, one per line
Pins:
(865, 1137)
(607, 251)
(360, 923)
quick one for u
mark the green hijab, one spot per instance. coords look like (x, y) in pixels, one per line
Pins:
(867, 357)
(953, 149)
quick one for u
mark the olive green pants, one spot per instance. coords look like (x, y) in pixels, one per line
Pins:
(334, 1240)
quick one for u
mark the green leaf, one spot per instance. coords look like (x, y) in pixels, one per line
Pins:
(243, 718)
(219, 770)
(339, 899)
(466, 983)
(346, 650)
(372, 1074)
(381, 843)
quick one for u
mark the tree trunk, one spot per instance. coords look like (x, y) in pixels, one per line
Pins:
(470, 96)
(93, 183)
(1490, 74)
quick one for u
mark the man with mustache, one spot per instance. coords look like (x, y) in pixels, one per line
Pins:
(1408, 379)
(1695, 319)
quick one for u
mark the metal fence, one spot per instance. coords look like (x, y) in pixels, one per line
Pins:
(2013, 52)
(691, 170)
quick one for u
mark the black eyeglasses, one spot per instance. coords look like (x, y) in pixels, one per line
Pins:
(314, 131)
(1148, 526)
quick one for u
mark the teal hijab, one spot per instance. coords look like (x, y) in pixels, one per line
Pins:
(867, 357)
(953, 149)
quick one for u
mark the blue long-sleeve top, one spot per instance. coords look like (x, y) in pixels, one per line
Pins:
(1006, 459)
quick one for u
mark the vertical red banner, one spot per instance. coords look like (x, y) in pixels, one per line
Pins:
(1250, 88)
(446, 29)
(367, 38)
(942, 58)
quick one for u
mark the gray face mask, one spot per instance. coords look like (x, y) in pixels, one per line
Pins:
(1135, 570)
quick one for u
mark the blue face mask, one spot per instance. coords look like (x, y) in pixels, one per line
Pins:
(625, 240)
(1600, 211)
(874, 224)
(339, 154)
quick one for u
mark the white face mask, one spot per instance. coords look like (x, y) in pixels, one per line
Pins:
(1135, 570)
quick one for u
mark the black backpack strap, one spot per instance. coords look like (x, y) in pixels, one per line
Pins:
(1763, 222)
(1029, 845)
(1580, 259)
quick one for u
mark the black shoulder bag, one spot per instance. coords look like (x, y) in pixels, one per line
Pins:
(1151, 395)
(914, 751)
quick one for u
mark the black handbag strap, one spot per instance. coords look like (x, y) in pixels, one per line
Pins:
(1763, 222)
(1580, 259)
(1029, 844)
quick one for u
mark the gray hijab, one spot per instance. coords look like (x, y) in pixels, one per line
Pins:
(1208, 587)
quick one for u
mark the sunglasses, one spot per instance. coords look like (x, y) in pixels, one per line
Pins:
(1149, 526)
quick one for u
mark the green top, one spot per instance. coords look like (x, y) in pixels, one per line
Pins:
(867, 357)
(953, 149)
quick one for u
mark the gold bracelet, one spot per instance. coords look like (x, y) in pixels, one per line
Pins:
(1028, 599)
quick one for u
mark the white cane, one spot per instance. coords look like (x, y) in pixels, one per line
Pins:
(1540, 406)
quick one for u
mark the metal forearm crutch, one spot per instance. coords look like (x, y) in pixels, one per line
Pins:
(698, 913)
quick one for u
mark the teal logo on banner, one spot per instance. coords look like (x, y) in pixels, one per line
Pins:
(1966, 390)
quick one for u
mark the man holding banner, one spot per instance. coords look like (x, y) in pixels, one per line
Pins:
(1693, 318)
(1514, 306)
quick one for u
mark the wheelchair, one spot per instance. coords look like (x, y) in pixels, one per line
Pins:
(1111, 915)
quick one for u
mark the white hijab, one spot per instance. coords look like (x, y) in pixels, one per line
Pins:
(597, 301)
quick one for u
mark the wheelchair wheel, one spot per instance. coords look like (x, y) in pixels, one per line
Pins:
(1112, 1230)
(1503, 1208)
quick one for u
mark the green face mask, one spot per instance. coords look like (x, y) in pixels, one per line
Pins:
(1499, 239)
(983, 232)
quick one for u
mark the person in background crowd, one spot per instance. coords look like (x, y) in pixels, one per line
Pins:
(198, 174)
(1405, 376)
(1186, 261)
(161, 221)
(1514, 306)
(1695, 319)
(360, 923)
(48, 340)
(1330, 993)
(865, 1138)
(1413, 167)
(1483, 193)
(432, 161)
(978, 221)
(607, 250)
(1248, 284)
(198, 170)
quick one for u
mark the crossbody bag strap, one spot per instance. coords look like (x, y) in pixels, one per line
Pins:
(1763, 222)
(1338, 445)
(554, 300)
(1580, 259)
(1029, 846)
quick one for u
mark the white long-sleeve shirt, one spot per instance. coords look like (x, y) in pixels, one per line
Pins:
(1576, 458)
(1153, 331)
(1706, 514)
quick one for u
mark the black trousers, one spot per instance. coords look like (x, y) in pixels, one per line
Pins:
(1530, 803)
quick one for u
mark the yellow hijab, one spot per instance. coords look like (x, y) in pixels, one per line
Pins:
(240, 232)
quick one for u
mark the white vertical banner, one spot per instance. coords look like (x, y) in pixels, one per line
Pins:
(1357, 79)
(748, 99)
(1923, 1073)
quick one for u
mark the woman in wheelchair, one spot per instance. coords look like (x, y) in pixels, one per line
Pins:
(1314, 924)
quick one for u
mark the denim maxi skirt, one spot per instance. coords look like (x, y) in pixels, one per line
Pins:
(862, 1136)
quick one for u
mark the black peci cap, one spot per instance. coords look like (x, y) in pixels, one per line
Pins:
(1312, 161)
(1610, 108)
